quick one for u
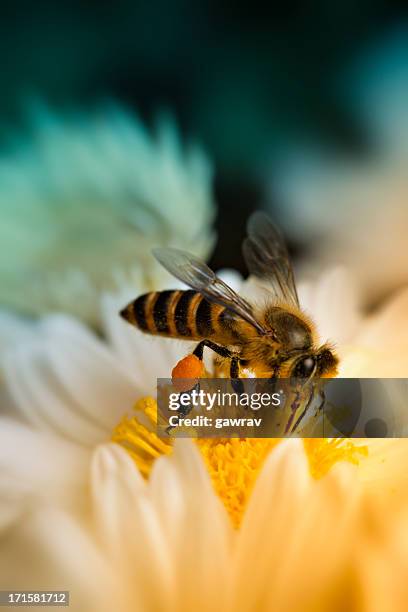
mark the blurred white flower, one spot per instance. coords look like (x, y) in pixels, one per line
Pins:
(84, 198)
(353, 210)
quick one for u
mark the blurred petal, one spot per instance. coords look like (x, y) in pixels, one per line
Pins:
(85, 197)
(279, 493)
(126, 514)
(39, 396)
(384, 471)
(331, 301)
(37, 467)
(88, 371)
(389, 325)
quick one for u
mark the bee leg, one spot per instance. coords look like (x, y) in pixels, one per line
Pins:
(183, 410)
(236, 382)
(220, 350)
(322, 396)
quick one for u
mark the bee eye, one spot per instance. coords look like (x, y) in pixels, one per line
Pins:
(304, 367)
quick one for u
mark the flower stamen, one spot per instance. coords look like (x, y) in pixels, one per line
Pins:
(141, 442)
(233, 464)
(323, 453)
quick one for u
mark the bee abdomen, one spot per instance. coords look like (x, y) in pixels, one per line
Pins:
(135, 312)
(169, 313)
(203, 318)
(178, 314)
(150, 311)
(182, 320)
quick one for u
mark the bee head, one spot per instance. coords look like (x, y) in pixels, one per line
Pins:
(320, 364)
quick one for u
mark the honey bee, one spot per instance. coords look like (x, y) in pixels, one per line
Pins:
(276, 340)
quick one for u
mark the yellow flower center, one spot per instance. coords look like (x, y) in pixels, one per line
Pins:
(142, 443)
(233, 464)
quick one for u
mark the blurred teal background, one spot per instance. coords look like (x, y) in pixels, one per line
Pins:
(248, 82)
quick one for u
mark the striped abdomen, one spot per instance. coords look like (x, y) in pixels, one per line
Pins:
(180, 314)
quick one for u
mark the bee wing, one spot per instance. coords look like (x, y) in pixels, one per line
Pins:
(197, 275)
(267, 257)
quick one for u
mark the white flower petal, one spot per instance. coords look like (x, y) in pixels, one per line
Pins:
(88, 372)
(332, 304)
(70, 560)
(318, 542)
(113, 475)
(39, 395)
(38, 466)
(279, 493)
(125, 514)
(11, 509)
(384, 471)
(166, 491)
(207, 533)
(232, 278)
(301, 526)
(13, 330)
(387, 328)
